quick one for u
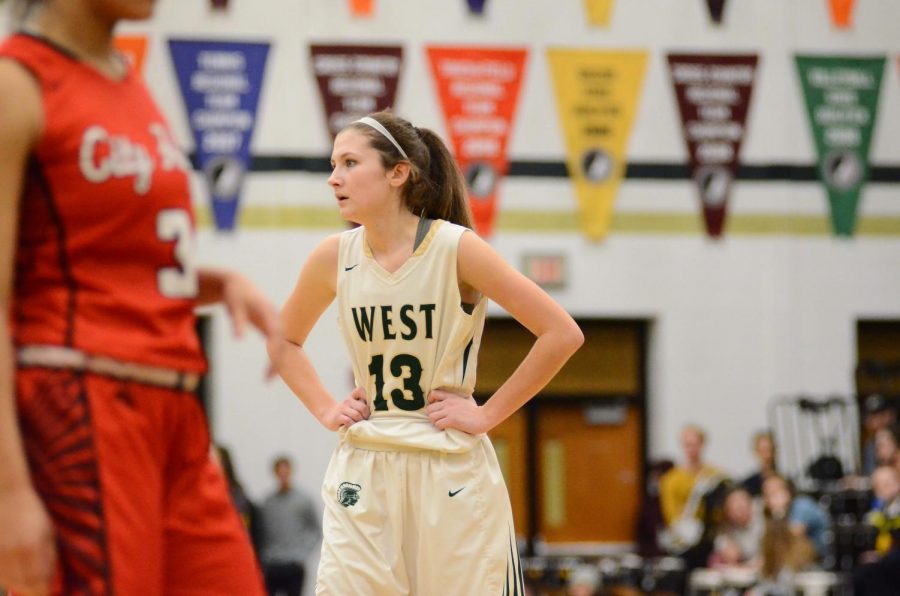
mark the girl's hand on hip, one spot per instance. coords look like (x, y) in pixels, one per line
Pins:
(348, 412)
(451, 410)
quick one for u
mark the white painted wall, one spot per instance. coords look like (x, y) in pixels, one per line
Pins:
(735, 322)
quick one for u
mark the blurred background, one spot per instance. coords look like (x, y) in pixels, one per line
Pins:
(710, 188)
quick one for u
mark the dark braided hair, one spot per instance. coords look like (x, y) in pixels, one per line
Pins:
(435, 188)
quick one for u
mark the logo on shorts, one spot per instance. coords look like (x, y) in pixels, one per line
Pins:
(348, 494)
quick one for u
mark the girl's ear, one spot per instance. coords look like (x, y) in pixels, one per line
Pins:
(399, 174)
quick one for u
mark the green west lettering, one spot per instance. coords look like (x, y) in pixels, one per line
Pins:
(383, 322)
(363, 321)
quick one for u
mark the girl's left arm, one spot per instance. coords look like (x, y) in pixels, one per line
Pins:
(558, 337)
(243, 301)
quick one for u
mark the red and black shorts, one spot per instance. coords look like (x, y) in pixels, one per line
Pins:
(124, 471)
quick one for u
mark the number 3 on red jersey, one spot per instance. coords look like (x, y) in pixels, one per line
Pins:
(174, 225)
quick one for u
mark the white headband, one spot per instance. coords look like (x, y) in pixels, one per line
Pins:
(378, 126)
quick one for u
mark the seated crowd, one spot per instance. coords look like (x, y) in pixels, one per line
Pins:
(764, 530)
(763, 524)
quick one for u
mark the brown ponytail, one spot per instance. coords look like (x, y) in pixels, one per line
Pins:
(435, 188)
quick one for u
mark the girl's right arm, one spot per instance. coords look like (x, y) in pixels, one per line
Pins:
(27, 555)
(315, 290)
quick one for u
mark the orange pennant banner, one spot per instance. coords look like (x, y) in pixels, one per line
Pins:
(362, 8)
(479, 89)
(134, 48)
(842, 12)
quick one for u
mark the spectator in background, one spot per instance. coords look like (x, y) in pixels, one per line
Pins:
(764, 451)
(650, 518)
(784, 553)
(246, 509)
(803, 515)
(887, 446)
(879, 413)
(683, 492)
(290, 529)
(881, 576)
(885, 516)
(739, 537)
(583, 581)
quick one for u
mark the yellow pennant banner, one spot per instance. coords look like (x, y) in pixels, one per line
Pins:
(598, 11)
(597, 94)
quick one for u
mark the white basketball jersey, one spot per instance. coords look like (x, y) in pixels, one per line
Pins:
(407, 333)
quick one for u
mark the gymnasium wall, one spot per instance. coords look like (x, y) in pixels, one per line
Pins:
(768, 308)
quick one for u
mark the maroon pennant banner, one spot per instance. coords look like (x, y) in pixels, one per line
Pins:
(716, 8)
(355, 80)
(713, 94)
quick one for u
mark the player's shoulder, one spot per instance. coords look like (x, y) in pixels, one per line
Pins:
(20, 102)
(18, 82)
(446, 233)
(470, 243)
(327, 250)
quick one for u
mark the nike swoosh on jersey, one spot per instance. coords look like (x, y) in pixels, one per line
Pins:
(351, 267)
(453, 493)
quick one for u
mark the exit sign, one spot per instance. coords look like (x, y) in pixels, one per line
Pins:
(546, 270)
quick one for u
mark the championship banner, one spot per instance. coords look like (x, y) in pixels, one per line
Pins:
(479, 89)
(598, 11)
(134, 48)
(362, 8)
(355, 80)
(842, 103)
(476, 6)
(716, 9)
(841, 12)
(220, 83)
(713, 94)
(597, 94)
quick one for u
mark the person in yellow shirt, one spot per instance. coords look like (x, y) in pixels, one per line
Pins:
(880, 573)
(681, 492)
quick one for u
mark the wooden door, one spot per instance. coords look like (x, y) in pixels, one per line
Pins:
(878, 358)
(573, 457)
(589, 472)
(510, 442)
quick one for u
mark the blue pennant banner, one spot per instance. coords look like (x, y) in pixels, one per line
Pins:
(476, 6)
(220, 83)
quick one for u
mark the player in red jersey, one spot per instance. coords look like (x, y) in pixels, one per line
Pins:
(106, 486)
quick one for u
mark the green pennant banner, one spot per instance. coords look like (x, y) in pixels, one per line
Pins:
(842, 103)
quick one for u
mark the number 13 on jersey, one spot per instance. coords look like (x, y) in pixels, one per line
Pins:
(411, 397)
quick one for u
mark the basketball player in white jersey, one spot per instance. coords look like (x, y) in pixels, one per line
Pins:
(415, 503)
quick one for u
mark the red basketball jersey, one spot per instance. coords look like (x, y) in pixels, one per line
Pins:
(104, 256)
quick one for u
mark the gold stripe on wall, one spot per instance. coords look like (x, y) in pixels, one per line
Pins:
(510, 220)
(279, 218)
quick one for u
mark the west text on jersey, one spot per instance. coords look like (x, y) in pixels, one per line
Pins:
(410, 321)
